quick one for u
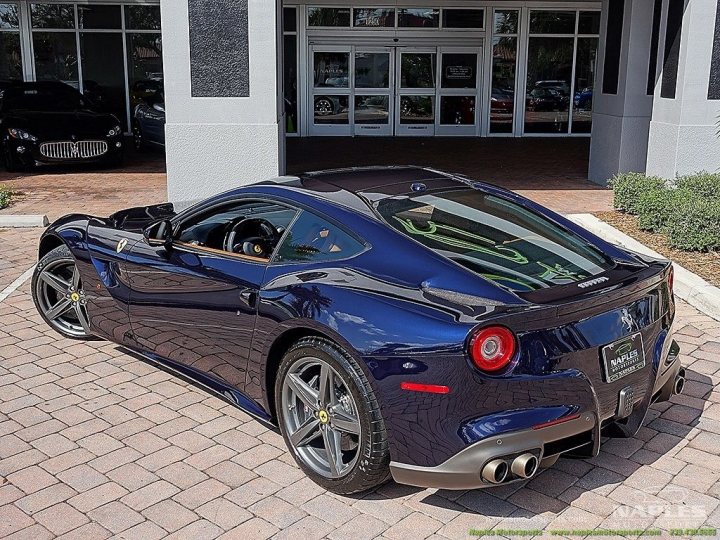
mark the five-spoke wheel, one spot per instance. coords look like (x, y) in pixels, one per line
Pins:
(330, 418)
(59, 296)
(321, 417)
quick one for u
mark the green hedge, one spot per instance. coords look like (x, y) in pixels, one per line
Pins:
(5, 195)
(695, 226)
(629, 187)
(687, 209)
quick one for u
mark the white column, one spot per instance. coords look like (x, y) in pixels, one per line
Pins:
(621, 121)
(216, 143)
(684, 132)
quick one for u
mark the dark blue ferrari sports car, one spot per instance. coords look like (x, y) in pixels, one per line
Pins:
(394, 321)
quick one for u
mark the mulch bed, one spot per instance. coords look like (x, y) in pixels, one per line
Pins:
(706, 265)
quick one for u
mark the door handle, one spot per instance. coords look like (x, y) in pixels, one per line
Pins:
(249, 296)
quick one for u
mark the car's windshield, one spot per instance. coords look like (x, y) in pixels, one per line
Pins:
(55, 98)
(495, 237)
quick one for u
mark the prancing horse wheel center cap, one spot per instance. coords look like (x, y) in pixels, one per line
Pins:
(75, 297)
(323, 416)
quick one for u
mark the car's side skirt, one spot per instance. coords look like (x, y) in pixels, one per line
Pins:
(226, 392)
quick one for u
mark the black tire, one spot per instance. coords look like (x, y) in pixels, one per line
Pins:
(9, 161)
(372, 466)
(69, 325)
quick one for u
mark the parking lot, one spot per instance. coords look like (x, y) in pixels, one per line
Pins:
(96, 443)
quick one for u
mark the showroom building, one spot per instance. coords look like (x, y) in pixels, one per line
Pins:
(640, 78)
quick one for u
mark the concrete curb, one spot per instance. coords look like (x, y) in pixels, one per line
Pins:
(688, 286)
(23, 221)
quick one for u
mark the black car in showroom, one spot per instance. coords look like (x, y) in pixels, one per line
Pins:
(51, 123)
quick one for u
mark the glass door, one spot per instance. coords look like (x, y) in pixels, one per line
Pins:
(330, 90)
(458, 93)
(373, 91)
(415, 99)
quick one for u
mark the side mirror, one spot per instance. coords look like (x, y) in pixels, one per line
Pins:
(160, 107)
(159, 233)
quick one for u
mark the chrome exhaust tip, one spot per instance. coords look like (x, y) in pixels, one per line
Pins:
(524, 466)
(679, 385)
(495, 472)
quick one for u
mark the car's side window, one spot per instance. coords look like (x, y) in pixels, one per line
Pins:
(313, 239)
(245, 228)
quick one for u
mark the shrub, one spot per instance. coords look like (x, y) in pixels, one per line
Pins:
(629, 187)
(701, 184)
(5, 195)
(695, 225)
(655, 207)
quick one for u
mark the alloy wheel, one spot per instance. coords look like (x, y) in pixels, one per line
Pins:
(321, 417)
(61, 298)
(323, 107)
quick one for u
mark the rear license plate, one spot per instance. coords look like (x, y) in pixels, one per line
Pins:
(623, 357)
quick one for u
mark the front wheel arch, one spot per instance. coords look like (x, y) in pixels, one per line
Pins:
(49, 243)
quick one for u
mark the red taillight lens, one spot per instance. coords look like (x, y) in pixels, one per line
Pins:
(671, 281)
(491, 349)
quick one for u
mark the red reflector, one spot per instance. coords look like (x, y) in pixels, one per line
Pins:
(431, 388)
(556, 422)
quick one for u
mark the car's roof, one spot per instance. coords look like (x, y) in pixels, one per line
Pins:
(359, 188)
(359, 185)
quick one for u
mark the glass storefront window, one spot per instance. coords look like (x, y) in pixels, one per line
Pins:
(373, 17)
(585, 70)
(103, 71)
(506, 21)
(10, 58)
(145, 67)
(457, 110)
(290, 82)
(332, 69)
(99, 17)
(290, 19)
(372, 109)
(56, 57)
(142, 17)
(502, 96)
(52, 15)
(331, 109)
(417, 109)
(549, 72)
(463, 18)
(372, 70)
(419, 18)
(459, 70)
(589, 22)
(417, 70)
(552, 22)
(9, 17)
(320, 16)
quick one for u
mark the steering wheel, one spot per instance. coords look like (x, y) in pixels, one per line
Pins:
(255, 237)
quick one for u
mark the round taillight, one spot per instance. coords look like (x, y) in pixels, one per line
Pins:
(671, 281)
(491, 349)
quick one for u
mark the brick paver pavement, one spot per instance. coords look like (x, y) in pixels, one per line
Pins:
(95, 443)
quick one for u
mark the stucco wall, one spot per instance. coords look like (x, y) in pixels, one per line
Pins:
(216, 143)
(684, 134)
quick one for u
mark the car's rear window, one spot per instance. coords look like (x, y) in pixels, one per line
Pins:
(495, 237)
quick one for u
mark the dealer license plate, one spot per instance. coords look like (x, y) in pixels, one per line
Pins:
(623, 357)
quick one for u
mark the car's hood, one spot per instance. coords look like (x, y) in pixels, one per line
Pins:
(136, 219)
(61, 125)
